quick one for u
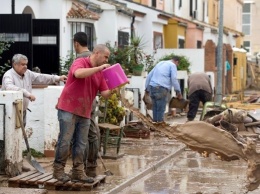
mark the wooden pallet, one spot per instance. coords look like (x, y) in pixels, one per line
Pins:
(34, 179)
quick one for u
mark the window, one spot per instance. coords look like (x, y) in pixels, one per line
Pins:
(246, 45)
(154, 3)
(246, 8)
(15, 37)
(123, 38)
(88, 28)
(246, 19)
(181, 43)
(199, 44)
(180, 4)
(89, 31)
(157, 40)
(191, 8)
(43, 40)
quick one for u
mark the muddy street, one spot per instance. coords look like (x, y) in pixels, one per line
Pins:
(185, 173)
(165, 166)
(191, 173)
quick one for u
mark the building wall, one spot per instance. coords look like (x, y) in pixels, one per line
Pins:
(170, 34)
(213, 12)
(254, 37)
(193, 34)
(233, 14)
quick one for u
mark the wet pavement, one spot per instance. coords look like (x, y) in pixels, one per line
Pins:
(159, 165)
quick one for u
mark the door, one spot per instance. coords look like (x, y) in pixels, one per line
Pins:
(45, 43)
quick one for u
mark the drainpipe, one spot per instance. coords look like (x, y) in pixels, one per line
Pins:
(132, 26)
(13, 5)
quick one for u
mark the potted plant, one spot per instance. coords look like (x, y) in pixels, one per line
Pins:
(131, 57)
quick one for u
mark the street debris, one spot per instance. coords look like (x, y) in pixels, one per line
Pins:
(206, 138)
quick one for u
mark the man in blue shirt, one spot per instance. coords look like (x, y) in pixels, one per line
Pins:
(159, 83)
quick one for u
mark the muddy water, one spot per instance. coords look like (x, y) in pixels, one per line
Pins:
(206, 138)
(191, 173)
(138, 155)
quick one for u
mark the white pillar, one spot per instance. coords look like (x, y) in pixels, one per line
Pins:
(13, 137)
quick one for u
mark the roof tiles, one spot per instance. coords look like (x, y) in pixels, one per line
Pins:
(80, 11)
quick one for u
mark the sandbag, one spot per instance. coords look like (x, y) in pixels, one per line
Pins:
(148, 101)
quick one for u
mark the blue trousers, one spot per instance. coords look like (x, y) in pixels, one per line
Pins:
(76, 128)
(159, 98)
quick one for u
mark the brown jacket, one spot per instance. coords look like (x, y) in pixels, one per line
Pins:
(199, 81)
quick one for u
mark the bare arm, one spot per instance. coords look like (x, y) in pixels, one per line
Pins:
(86, 72)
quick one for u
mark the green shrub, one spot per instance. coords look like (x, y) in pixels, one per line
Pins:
(184, 63)
(4, 46)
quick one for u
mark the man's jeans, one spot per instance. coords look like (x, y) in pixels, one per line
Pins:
(76, 127)
(159, 98)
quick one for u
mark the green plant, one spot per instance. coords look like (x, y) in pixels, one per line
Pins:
(4, 46)
(65, 64)
(184, 63)
(34, 153)
(114, 113)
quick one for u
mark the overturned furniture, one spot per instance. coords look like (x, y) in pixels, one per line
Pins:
(136, 129)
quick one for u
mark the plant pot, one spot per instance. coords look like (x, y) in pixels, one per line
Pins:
(137, 70)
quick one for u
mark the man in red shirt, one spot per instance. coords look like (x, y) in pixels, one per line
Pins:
(85, 79)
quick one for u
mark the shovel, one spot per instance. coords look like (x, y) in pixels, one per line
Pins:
(107, 172)
(29, 158)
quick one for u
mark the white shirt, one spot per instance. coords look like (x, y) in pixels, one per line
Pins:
(13, 81)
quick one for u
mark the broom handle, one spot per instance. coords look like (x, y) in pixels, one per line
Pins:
(102, 161)
(22, 127)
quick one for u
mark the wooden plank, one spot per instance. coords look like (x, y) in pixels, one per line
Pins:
(13, 184)
(68, 184)
(77, 185)
(51, 181)
(252, 124)
(59, 183)
(46, 179)
(39, 177)
(41, 181)
(98, 179)
(25, 179)
(22, 176)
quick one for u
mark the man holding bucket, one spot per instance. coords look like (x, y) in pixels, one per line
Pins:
(159, 83)
(85, 79)
(80, 40)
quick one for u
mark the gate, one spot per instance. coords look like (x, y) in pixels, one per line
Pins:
(16, 28)
(46, 41)
(2, 139)
(38, 39)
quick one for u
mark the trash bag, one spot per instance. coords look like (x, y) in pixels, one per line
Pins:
(148, 101)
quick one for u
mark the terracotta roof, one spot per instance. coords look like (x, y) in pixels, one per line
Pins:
(79, 10)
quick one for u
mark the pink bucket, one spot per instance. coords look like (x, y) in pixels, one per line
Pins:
(115, 76)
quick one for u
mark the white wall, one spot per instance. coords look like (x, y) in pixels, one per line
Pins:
(195, 56)
(42, 121)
